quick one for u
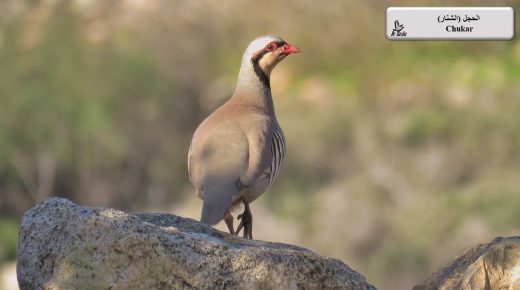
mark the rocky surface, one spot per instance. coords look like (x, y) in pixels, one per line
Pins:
(495, 265)
(66, 246)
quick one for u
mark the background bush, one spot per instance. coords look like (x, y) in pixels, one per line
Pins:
(400, 154)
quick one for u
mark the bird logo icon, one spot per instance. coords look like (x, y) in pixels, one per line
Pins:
(398, 29)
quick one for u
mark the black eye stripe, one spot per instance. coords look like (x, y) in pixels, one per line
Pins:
(257, 56)
(279, 43)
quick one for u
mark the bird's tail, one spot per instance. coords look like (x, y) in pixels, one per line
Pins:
(222, 172)
(217, 197)
(223, 162)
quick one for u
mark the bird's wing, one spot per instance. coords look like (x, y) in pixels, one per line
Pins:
(259, 133)
(277, 152)
(266, 152)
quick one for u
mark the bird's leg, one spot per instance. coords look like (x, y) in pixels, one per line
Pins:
(246, 222)
(228, 218)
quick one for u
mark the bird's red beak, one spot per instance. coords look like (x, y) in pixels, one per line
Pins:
(289, 48)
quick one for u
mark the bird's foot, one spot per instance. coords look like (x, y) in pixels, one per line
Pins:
(246, 222)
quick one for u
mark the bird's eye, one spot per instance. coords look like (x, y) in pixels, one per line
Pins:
(271, 46)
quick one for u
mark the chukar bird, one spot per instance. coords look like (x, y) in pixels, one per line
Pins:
(237, 151)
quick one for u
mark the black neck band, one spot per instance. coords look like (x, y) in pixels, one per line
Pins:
(264, 79)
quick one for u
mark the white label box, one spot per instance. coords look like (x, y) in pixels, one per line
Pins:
(450, 23)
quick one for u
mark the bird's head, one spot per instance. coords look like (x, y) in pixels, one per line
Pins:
(266, 52)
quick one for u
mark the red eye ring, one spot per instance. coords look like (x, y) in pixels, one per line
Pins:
(271, 46)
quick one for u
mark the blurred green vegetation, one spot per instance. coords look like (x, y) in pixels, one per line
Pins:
(400, 154)
(8, 239)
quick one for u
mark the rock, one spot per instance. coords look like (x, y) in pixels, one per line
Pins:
(66, 246)
(495, 265)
